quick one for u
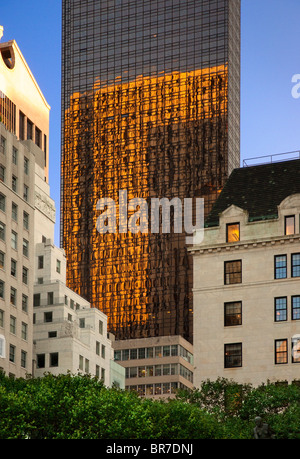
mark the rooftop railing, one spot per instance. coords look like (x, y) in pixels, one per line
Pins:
(276, 158)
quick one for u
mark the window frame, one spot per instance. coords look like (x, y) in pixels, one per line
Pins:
(275, 268)
(235, 272)
(226, 315)
(293, 265)
(293, 308)
(276, 310)
(228, 225)
(226, 365)
(276, 353)
(285, 224)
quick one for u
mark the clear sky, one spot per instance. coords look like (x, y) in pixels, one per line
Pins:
(270, 56)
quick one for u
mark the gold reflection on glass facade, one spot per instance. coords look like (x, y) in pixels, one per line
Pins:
(150, 93)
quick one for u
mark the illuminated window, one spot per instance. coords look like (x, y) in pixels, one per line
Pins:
(296, 349)
(233, 313)
(280, 309)
(233, 355)
(233, 272)
(233, 232)
(281, 353)
(289, 225)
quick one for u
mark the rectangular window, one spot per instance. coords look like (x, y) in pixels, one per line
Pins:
(14, 183)
(24, 303)
(14, 240)
(13, 268)
(100, 327)
(26, 166)
(2, 231)
(25, 248)
(14, 211)
(37, 299)
(87, 366)
(12, 326)
(281, 352)
(26, 193)
(280, 266)
(233, 313)
(2, 173)
(289, 225)
(29, 130)
(13, 296)
(40, 361)
(233, 355)
(295, 264)
(25, 275)
(2, 286)
(12, 353)
(81, 323)
(103, 351)
(48, 317)
(40, 262)
(103, 374)
(296, 349)
(296, 307)
(233, 272)
(2, 260)
(2, 145)
(97, 348)
(24, 330)
(53, 359)
(2, 202)
(280, 313)
(232, 232)
(25, 221)
(50, 297)
(21, 126)
(14, 155)
(1, 318)
(58, 266)
(23, 359)
(38, 137)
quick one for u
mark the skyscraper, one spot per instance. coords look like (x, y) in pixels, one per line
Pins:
(150, 106)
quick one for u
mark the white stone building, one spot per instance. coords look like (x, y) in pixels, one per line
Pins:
(247, 279)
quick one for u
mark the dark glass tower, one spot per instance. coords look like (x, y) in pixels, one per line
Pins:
(150, 105)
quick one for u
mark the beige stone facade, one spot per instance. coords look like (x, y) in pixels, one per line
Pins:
(156, 367)
(247, 298)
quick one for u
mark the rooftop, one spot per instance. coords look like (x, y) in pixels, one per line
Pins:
(258, 189)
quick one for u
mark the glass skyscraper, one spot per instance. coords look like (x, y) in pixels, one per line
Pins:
(150, 105)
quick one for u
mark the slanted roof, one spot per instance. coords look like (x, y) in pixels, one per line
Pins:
(258, 190)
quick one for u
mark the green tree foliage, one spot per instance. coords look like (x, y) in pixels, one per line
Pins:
(81, 407)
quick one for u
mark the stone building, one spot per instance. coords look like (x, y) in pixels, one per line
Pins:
(247, 279)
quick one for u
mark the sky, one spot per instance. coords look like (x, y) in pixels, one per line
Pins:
(270, 57)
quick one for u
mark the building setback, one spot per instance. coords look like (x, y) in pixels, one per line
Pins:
(150, 105)
(246, 279)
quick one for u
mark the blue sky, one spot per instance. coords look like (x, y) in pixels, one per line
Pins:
(270, 56)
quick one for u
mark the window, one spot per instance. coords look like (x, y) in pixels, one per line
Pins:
(40, 262)
(280, 309)
(133, 354)
(50, 297)
(29, 130)
(103, 351)
(2, 145)
(233, 272)
(26, 193)
(97, 348)
(14, 240)
(103, 374)
(26, 166)
(21, 126)
(233, 232)
(58, 266)
(2, 173)
(296, 349)
(281, 353)
(24, 331)
(100, 327)
(2, 346)
(12, 325)
(14, 155)
(12, 353)
(13, 268)
(66, 300)
(13, 296)
(2, 202)
(48, 317)
(25, 221)
(2, 285)
(296, 307)
(23, 359)
(81, 323)
(233, 313)
(80, 362)
(2, 260)
(24, 303)
(52, 334)
(25, 275)
(289, 225)
(14, 211)
(40, 361)
(280, 262)
(233, 355)
(87, 365)
(295, 264)
(37, 299)
(38, 137)
(14, 182)
(25, 247)
(2, 231)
